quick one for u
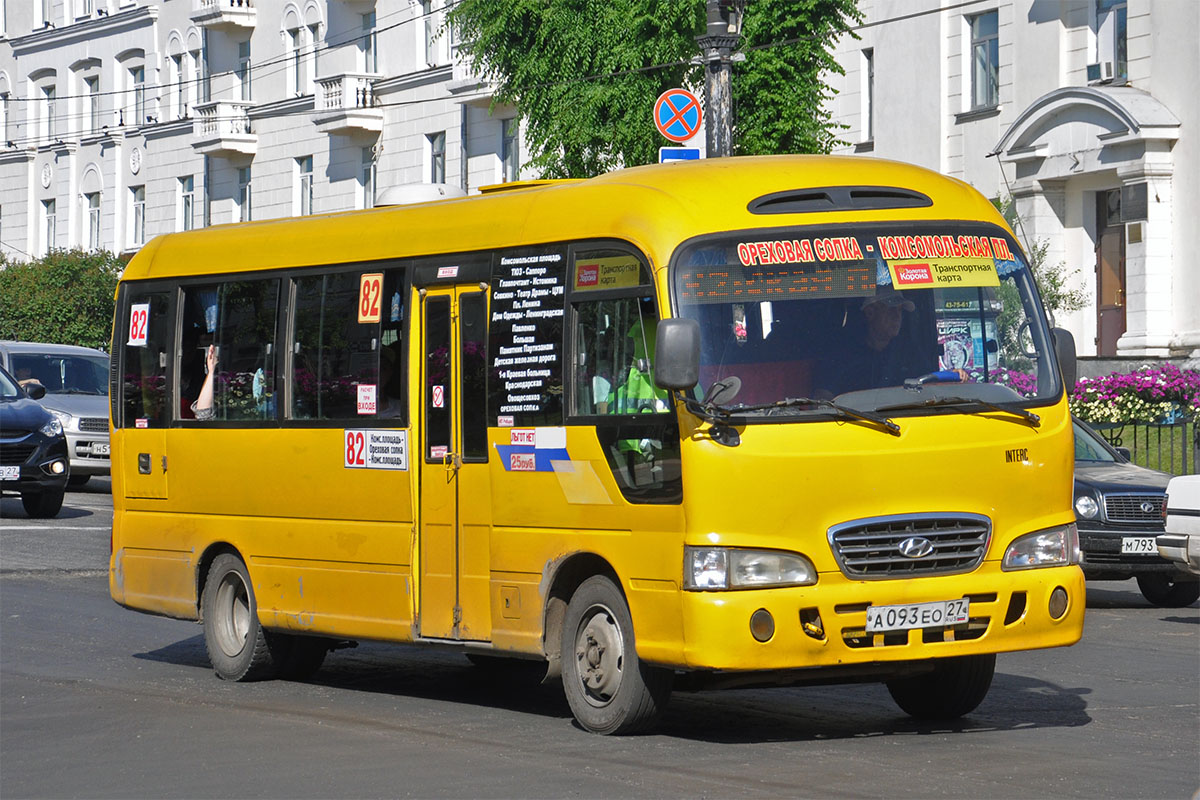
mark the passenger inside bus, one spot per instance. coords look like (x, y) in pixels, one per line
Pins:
(637, 393)
(202, 407)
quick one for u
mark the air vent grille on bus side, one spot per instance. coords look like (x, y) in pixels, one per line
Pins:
(837, 198)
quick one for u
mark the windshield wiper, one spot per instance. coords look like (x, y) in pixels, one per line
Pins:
(978, 405)
(842, 411)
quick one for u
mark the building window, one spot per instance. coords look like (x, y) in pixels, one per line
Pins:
(245, 207)
(243, 69)
(304, 168)
(138, 197)
(985, 60)
(92, 119)
(437, 157)
(137, 82)
(367, 43)
(49, 225)
(429, 27)
(179, 78)
(92, 202)
(1112, 53)
(868, 112)
(296, 58)
(510, 150)
(199, 63)
(4, 118)
(85, 8)
(47, 7)
(314, 39)
(187, 203)
(49, 93)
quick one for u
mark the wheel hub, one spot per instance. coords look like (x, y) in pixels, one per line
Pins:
(599, 653)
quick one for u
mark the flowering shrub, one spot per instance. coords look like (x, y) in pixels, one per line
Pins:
(1023, 383)
(1150, 394)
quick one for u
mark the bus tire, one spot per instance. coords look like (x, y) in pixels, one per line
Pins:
(608, 688)
(1169, 591)
(236, 643)
(955, 686)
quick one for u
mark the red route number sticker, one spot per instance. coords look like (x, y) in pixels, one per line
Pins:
(356, 449)
(370, 294)
(139, 317)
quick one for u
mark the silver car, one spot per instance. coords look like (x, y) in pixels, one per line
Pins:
(76, 381)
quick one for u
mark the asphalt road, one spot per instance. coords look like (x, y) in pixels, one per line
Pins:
(98, 701)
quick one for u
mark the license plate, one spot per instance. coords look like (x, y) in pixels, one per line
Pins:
(1139, 545)
(917, 615)
(10, 473)
(99, 449)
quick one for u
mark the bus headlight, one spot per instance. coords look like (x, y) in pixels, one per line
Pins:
(1053, 547)
(711, 568)
(1086, 506)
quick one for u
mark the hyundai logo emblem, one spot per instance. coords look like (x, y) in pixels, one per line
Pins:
(1147, 507)
(915, 547)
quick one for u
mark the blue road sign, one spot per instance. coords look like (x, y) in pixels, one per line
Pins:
(677, 114)
(666, 154)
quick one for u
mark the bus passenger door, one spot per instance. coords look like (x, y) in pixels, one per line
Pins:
(455, 494)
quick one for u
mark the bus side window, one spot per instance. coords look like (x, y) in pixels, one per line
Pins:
(238, 318)
(614, 356)
(145, 337)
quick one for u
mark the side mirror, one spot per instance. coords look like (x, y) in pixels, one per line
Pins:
(677, 354)
(35, 390)
(1124, 453)
(1064, 348)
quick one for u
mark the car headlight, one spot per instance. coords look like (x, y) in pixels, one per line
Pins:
(52, 428)
(1053, 547)
(709, 568)
(1086, 506)
(64, 419)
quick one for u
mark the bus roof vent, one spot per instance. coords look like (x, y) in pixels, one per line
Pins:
(837, 198)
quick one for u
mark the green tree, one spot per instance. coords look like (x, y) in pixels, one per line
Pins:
(584, 74)
(64, 298)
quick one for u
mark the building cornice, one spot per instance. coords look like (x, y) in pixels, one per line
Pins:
(79, 32)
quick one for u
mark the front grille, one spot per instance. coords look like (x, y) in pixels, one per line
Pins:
(93, 425)
(11, 454)
(870, 548)
(1129, 507)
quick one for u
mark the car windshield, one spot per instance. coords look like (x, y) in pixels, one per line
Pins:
(893, 317)
(1088, 446)
(62, 374)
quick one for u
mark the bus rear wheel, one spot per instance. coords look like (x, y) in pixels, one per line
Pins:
(955, 686)
(236, 643)
(608, 688)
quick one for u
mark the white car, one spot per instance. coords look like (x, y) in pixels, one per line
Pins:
(1181, 542)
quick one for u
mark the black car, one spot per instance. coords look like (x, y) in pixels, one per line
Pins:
(33, 449)
(1119, 511)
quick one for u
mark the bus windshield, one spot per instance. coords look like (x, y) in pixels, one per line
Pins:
(898, 317)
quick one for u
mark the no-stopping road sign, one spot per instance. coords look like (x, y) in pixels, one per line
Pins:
(677, 114)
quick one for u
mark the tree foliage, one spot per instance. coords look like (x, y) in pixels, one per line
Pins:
(64, 298)
(584, 74)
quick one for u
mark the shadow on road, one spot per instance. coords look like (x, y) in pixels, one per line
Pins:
(744, 716)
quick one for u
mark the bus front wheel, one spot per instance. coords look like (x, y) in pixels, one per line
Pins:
(608, 688)
(236, 643)
(955, 686)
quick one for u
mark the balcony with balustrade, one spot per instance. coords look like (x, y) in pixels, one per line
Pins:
(222, 128)
(226, 15)
(345, 104)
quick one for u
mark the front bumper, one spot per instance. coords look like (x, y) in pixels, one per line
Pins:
(1102, 558)
(33, 455)
(1008, 611)
(84, 459)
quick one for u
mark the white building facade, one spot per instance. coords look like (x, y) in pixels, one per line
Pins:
(124, 119)
(1084, 112)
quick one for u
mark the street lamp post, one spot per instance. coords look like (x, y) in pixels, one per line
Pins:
(721, 37)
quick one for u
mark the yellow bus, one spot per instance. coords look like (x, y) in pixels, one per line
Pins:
(747, 421)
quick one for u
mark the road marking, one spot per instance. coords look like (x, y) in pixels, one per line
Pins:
(56, 527)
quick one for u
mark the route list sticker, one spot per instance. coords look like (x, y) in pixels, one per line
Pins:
(528, 299)
(376, 448)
